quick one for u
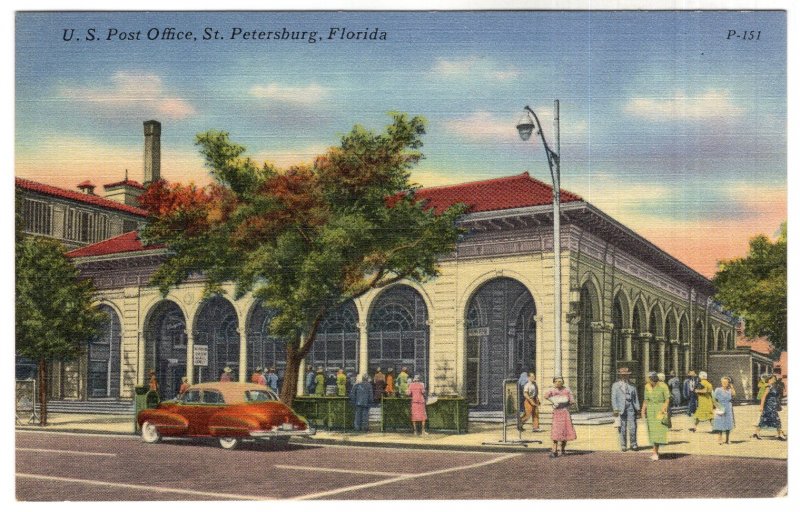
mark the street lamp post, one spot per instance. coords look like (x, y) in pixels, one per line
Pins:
(526, 128)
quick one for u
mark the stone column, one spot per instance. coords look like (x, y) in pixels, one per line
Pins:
(603, 378)
(675, 356)
(242, 330)
(687, 358)
(645, 338)
(190, 357)
(662, 353)
(627, 336)
(363, 355)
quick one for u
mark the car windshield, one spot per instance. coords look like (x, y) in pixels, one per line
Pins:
(258, 395)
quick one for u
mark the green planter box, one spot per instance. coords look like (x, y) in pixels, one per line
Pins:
(329, 412)
(447, 414)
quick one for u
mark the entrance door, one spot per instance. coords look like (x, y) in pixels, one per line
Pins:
(500, 340)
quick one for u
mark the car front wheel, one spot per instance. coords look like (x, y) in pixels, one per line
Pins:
(150, 433)
(229, 443)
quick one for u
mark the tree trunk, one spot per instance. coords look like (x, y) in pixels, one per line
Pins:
(290, 376)
(42, 392)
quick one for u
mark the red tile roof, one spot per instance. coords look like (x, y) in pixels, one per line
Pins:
(759, 345)
(495, 194)
(86, 183)
(127, 242)
(487, 195)
(50, 190)
(130, 183)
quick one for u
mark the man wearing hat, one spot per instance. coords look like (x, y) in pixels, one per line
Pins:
(226, 374)
(625, 402)
(689, 383)
(674, 385)
(272, 379)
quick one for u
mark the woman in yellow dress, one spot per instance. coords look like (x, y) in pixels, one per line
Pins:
(705, 402)
(654, 408)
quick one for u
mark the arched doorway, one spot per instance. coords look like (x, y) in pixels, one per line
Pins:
(264, 349)
(336, 345)
(588, 373)
(216, 326)
(500, 339)
(103, 372)
(397, 332)
(165, 347)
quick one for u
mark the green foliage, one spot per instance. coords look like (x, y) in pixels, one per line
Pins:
(54, 313)
(755, 288)
(308, 238)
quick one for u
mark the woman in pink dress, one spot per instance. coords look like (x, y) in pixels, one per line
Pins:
(562, 429)
(416, 390)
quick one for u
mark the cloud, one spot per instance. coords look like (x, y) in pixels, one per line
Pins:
(712, 104)
(483, 127)
(472, 66)
(131, 94)
(296, 95)
(700, 242)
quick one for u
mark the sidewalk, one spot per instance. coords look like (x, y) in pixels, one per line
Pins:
(590, 437)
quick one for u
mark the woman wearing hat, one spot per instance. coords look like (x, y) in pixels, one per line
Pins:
(723, 423)
(561, 429)
(184, 385)
(416, 390)
(319, 382)
(705, 402)
(654, 408)
(770, 405)
(153, 381)
(226, 374)
(689, 383)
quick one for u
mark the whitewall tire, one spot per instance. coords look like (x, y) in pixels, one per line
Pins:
(229, 443)
(150, 433)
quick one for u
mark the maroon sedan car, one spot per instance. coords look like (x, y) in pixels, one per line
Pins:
(229, 411)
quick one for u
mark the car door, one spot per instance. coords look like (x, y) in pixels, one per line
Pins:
(212, 403)
(191, 408)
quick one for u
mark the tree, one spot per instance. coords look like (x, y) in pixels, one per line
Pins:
(755, 288)
(306, 239)
(54, 312)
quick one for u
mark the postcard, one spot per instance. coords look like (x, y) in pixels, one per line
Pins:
(400, 255)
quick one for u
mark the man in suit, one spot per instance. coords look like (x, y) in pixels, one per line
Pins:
(361, 398)
(625, 403)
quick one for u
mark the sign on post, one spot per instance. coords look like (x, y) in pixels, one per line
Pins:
(200, 355)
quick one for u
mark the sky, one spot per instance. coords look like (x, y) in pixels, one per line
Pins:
(669, 123)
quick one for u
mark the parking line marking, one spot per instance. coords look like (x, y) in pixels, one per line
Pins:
(68, 452)
(131, 436)
(395, 448)
(147, 488)
(403, 477)
(337, 470)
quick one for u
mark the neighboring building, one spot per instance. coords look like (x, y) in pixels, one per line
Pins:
(79, 218)
(487, 316)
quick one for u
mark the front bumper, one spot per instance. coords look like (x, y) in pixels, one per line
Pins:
(282, 434)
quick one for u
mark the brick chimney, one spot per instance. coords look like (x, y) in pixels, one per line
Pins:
(152, 152)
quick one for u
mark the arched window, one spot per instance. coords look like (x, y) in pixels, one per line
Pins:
(216, 326)
(103, 374)
(336, 345)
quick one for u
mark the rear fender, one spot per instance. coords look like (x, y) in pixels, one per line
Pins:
(167, 423)
(225, 424)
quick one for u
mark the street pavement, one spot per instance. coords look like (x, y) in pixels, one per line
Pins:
(590, 437)
(58, 466)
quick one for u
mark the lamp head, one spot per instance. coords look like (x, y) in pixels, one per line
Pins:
(526, 125)
(525, 130)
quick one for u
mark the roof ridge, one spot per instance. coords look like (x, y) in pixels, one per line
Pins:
(479, 182)
(64, 193)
